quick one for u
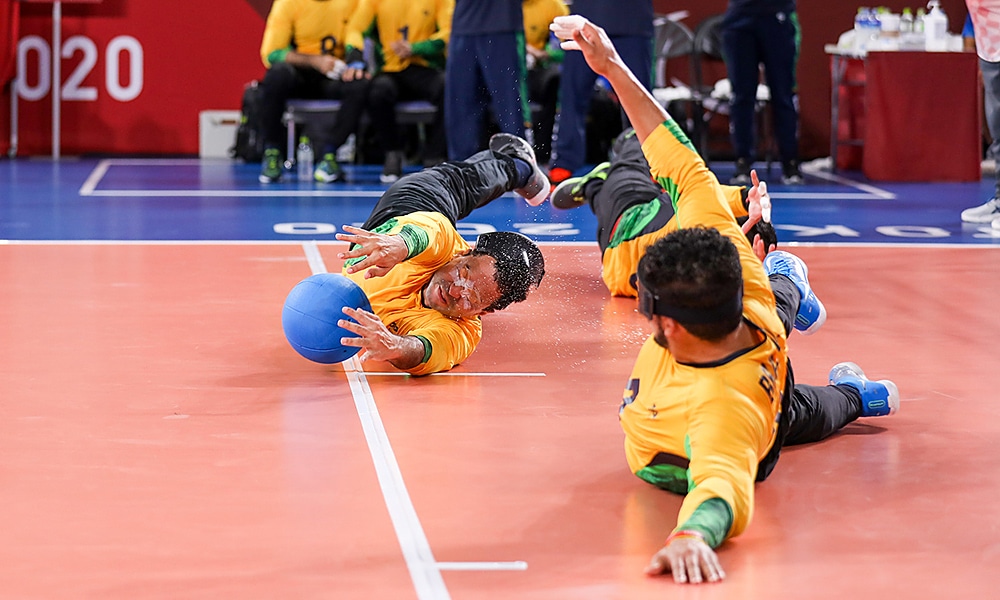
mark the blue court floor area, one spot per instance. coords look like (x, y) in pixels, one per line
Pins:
(178, 199)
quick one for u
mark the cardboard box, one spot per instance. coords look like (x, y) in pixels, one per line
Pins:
(217, 132)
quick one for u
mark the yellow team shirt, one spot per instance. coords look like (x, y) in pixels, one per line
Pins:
(307, 27)
(538, 15)
(721, 417)
(414, 21)
(397, 297)
(621, 258)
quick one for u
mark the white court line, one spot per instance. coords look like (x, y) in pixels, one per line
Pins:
(517, 565)
(449, 374)
(94, 178)
(89, 188)
(426, 576)
(864, 187)
(424, 570)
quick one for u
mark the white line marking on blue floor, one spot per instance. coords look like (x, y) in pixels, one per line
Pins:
(871, 190)
(94, 178)
(275, 193)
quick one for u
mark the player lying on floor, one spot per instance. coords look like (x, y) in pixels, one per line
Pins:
(633, 210)
(428, 288)
(712, 398)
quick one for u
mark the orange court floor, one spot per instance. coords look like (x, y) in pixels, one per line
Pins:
(160, 439)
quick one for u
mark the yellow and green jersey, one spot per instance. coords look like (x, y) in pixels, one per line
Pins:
(425, 24)
(628, 244)
(702, 429)
(307, 27)
(397, 297)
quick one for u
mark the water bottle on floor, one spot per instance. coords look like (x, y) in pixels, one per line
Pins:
(304, 159)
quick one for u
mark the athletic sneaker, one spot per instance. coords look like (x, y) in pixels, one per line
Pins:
(270, 166)
(984, 213)
(742, 175)
(328, 170)
(812, 313)
(569, 193)
(878, 398)
(995, 224)
(393, 167)
(537, 189)
(790, 173)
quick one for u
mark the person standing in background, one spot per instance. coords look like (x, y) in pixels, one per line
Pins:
(629, 24)
(543, 60)
(303, 48)
(485, 69)
(412, 42)
(986, 23)
(755, 33)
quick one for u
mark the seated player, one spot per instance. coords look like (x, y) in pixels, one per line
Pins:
(633, 211)
(428, 289)
(712, 398)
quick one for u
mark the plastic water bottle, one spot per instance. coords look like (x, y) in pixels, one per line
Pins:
(906, 22)
(304, 159)
(861, 29)
(918, 21)
(935, 28)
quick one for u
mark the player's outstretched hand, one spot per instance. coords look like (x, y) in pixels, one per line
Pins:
(377, 342)
(759, 213)
(758, 202)
(380, 252)
(690, 560)
(577, 33)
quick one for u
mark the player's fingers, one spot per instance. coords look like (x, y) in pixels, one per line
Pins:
(753, 178)
(693, 569)
(680, 573)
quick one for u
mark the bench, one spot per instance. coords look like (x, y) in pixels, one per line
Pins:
(299, 112)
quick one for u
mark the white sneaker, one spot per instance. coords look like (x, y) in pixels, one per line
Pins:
(996, 224)
(984, 213)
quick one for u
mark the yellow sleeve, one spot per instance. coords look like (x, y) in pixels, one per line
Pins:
(277, 30)
(724, 437)
(360, 21)
(734, 197)
(701, 200)
(452, 342)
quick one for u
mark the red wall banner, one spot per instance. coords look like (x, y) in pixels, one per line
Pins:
(134, 75)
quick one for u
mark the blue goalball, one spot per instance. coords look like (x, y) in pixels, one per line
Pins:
(311, 312)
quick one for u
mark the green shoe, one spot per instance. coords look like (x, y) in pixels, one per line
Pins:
(569, 193)
(328, 170)
(270, 167)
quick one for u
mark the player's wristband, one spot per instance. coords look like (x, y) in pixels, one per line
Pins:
(684, 534)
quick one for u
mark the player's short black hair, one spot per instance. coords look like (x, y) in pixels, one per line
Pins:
(694, 276)
(519, 265)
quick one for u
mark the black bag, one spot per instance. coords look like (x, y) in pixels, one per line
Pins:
(249, 146)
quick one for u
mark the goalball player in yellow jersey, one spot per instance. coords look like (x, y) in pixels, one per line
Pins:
(712, 399)
(633, 211)
(428, 289)
(304, 48)
(411, 39)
